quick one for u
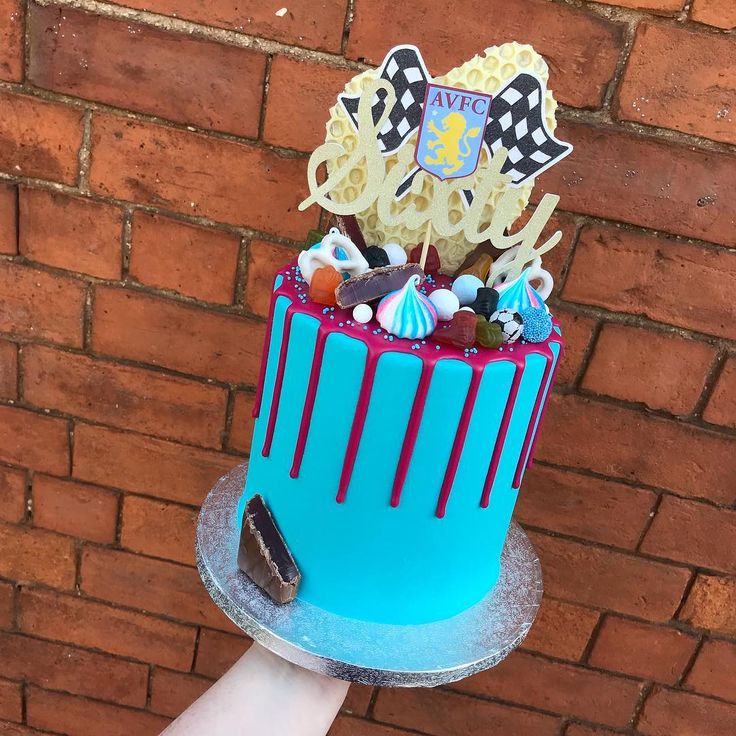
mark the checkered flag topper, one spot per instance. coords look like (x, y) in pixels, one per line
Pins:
(404, 69)
(516, 122)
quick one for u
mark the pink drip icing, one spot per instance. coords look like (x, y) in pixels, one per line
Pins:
(301, 441)
(279, 382)
(501, 437)
(264, 359)
(412, 430)
(361, 411)
(533, 449)
(550, 359)
(457, 445)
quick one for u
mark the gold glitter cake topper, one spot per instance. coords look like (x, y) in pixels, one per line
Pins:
(408, 156)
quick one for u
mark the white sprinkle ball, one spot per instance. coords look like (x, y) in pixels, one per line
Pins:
(362, 313)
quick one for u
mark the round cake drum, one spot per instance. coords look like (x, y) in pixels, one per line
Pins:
(372, 654)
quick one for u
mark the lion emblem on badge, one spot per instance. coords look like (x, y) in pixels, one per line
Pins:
(450, 145)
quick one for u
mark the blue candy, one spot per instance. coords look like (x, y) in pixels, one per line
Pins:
(537, 324)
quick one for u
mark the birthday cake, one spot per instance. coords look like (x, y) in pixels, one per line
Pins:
(409, 351)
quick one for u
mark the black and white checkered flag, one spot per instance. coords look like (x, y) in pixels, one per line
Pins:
(404, 69)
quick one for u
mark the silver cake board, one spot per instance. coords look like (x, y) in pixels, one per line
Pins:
(372, 654)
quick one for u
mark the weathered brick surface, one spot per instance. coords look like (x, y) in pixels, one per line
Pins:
(192, 260)
(642, 650)
(71, 233)
(644, 181)
(124, 396)
(76, 509)
(182, 337)
(150, 173)
(679, 79)
(716, 658)
(134, 161)
(8, 219)
(673, 713)
(719, 13)
(80, 672)
(693, 532)
(95, 625)
(171, 75)
(721, 407)
(665, 280)
(563, 35)
(158, 528)
(658, 369)
(81, 716)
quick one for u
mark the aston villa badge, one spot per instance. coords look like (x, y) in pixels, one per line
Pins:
(451, 131)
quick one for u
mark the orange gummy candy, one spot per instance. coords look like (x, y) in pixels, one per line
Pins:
(322, 287)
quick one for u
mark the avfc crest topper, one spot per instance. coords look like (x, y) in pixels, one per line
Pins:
(451, 131)
(452, 157)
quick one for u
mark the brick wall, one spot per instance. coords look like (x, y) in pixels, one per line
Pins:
(152, 154)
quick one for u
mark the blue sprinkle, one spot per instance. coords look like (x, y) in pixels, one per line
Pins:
(537, 324)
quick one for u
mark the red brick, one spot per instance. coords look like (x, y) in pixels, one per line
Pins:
(8, 370)
(623, 443)
(146, 465)
(721, 407)
(307, 24)
(711, 604)
(41, 305)
(680, 79)
(8, 216)
(358, 699)
(217, 652)
(98, 626)
(7, 599)
(264, 260)
(155, 586)
(581, 49)
(15, 729)
(37, 556)
(694, 533)
(661, 370)
(11, 40)
(344, 726)
(301, 90)
(34, 441)
(644, 181)
(712, 673)
(561, 629)
(70, 232)
(134, 161)
(661, 7)
(173, 692)
(581, 506)
(667, 281)
(441, 713)
(242, 427)
(172, 75)
(192, 260)
(11, 706)
(82, 511)
(673, 713)
(179, 336)
(607, 579)
(159, 529)
(81, 717)
(578, 331)
(558, 688)
(575, 729)
(124, 396)
(719, 13)
(38, 138)
(12, 494)
(642, 650)
(61, 667)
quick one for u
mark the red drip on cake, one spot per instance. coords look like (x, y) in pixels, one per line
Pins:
(375, 339)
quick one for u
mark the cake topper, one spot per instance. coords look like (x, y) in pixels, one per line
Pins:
(457, 155)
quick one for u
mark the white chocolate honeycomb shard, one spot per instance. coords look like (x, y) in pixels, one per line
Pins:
(488, 72)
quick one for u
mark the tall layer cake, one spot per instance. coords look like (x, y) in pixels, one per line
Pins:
(403, 383)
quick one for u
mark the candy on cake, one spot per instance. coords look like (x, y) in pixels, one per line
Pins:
(398, 402)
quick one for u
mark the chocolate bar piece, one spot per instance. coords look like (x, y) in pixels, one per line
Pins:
(263, 555)
(374, 284)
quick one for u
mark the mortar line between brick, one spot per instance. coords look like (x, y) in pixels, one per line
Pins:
(349, 15)
(149, 684)
(195, 650)
(587, 650)
(241, 273)
(640, 703)
(126, 243)
(631, 25)
(711, 380)
(691, 662)
(85, 151)
(587, 355)
(650, 520)
(686, 593)
(264, 97)
(229, 411)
